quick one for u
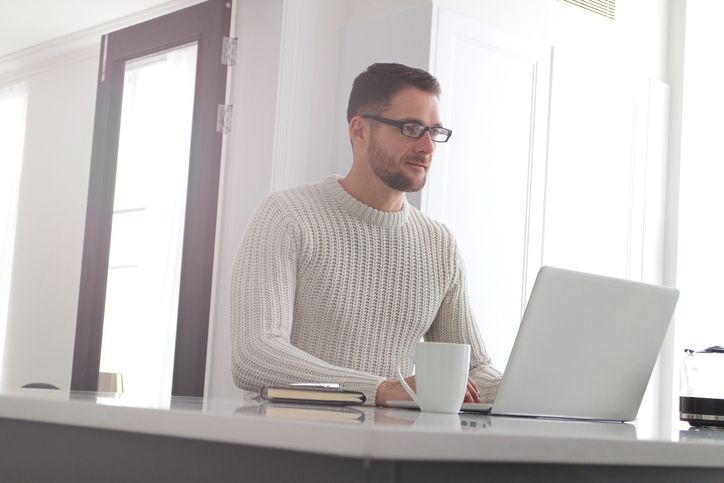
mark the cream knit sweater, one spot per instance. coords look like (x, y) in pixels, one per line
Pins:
(328, 289)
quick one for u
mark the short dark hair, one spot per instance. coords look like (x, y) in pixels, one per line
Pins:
(374, 88)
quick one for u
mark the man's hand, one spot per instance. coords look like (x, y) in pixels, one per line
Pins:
(472, 394)
(393, 391)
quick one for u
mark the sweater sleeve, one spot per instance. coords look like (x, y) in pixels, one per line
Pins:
(456, 323)
(263, 289)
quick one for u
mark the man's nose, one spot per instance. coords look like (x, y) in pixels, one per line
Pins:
(425, 144)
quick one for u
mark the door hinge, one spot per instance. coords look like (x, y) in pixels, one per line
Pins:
(223, 118)
(228, 50)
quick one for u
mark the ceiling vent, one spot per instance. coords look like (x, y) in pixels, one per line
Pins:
(604, 8)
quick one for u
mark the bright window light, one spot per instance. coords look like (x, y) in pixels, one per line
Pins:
(700, 259)
(144, 272)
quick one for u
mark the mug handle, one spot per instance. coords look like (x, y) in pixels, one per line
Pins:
(402, 379)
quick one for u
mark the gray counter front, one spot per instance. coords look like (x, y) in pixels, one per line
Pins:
(50, 435)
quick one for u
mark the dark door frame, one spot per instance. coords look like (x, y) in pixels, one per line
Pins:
(206, 23)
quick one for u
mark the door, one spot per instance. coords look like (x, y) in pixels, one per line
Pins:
(151, 218)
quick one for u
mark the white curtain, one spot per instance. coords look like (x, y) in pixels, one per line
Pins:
(139, 332)
(13, 103)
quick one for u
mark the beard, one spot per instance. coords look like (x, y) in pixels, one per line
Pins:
(390, 172)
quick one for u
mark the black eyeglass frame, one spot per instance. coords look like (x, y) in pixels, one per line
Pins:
(401, 124)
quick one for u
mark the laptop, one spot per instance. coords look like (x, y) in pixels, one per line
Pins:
(585, 348)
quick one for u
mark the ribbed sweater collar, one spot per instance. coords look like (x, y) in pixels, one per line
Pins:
(362, 211)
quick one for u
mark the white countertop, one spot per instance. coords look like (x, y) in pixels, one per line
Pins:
(372, 433)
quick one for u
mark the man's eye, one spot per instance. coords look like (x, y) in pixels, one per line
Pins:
(412, 129)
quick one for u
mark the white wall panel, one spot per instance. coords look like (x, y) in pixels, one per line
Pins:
(282, 132)
(646, 260)
(591, 164)
(488, 183)
(248, 165)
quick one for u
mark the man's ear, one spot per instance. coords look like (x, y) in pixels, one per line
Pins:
(358, 130)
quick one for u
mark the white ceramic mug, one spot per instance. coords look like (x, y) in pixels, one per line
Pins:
(441, 376)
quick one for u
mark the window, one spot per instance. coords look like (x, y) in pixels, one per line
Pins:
(13, 101)
(700, 258)
(144, 268)
(151, 220)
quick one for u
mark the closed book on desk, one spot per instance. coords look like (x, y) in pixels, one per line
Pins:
(312, 395)
(302, 413)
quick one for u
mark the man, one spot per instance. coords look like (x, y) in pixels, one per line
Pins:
(335, 280)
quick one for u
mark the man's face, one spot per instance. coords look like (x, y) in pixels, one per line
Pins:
(402, 162)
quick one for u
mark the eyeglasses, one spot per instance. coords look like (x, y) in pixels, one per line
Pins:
(414, 129)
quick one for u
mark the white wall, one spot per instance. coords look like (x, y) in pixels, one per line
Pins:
(50, 225)
(247, 168)
(675, 73)
(282, 136)
(607, 157)
(283, 125)
(639, 32)
(629, 51)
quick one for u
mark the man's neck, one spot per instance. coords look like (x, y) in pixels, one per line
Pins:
(371, 191)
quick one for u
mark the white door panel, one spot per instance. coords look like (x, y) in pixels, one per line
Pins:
(488, 183)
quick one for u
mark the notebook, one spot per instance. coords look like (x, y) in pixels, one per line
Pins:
(585, 348)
